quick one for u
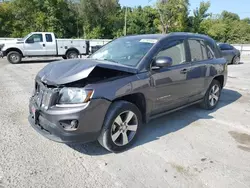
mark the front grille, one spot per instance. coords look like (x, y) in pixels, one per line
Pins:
(45, 97)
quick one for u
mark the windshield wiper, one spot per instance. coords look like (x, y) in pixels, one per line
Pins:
(111, 60)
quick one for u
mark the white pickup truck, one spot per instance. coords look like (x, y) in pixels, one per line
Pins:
(40, 44)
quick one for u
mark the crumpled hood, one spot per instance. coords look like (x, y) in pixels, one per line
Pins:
(68, 71)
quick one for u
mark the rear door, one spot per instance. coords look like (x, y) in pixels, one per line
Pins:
(35, 45)
(51, 48)
(169, 85)
(201, 56)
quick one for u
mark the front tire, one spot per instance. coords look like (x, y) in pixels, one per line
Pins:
(212, 97)
(121, 126)
(236, 60)
(14, 57)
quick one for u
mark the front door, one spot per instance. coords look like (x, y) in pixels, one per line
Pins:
(35, 46)
(170, 86)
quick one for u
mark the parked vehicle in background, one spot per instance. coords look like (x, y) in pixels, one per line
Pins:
(231, 54)
(95, 48)
(108, 96)
(39, 44)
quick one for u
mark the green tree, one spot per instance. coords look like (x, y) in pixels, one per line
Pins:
(173, 15)
(96, 16)
(215, 28)
(6, 19)
(230, 16)
(43, 15)
(142, 20)
(200, 14)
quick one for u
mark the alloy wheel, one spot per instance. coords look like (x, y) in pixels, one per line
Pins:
(124, 128)
(214, 95)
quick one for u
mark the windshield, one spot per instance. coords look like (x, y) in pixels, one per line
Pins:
(126, 51)
(22, 39)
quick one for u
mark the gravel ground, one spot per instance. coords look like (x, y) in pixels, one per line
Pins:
(189, 148)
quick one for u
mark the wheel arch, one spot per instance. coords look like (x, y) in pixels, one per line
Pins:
(72, 49)
(220, 79)
(14, 49)
(139, 100)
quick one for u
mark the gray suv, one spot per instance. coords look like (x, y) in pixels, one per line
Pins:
(111, 94)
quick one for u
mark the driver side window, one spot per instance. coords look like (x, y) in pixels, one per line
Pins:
(176, 51)
(35, 38)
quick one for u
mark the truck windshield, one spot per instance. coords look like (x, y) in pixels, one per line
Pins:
(127, 51)
(22, 39)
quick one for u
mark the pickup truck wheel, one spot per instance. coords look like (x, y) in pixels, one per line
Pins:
(14, 57)
(212, 96)
(121, 126)
(72, 54)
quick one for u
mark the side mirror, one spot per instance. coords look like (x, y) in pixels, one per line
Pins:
(161, 62)
(29, 41)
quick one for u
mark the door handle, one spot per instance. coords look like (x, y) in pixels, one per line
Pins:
(43, 45)
(184, 71)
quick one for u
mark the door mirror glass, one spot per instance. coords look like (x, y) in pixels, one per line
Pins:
(30, 40)
(161, 62)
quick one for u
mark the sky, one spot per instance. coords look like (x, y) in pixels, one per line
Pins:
(241, 7)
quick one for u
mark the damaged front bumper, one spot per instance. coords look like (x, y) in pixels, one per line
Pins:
(51, 123)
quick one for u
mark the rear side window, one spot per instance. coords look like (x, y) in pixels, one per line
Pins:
(48, 38)
(210, 52)
(196, 50)
(200, 50)
(226, 47)
(203, 50)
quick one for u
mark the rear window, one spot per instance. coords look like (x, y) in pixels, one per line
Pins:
(210, 52)
(226, 47)
(195, 50)
(201, 50)
(48, 38)
(204, 50)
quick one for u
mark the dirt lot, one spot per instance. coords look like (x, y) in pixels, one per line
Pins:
(190, 148)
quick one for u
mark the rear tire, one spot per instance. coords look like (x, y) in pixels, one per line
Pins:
(14, 57)
(72, 54)
(121, 126)
(212, 97)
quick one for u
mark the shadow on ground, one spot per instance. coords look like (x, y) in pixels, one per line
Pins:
(166, 124)
(37, 61)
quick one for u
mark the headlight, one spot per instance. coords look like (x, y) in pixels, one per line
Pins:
(74, 95)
